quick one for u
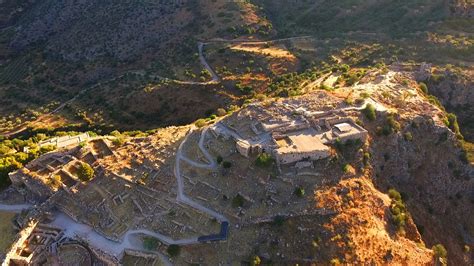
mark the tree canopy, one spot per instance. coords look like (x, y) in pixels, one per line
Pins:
(86, 172)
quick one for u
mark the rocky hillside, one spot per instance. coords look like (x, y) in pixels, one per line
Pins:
(424, 162)
(333, 18)
(401, 198)
(404, 196)
(108, 29)
(362, 231)
(50, 51)
(122, 32)
(136, 66)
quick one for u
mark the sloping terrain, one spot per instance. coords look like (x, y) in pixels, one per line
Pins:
(401, 70)
(54, 50)
(387, 200)
(361, 218)
(462, 8)
(329, 18)
(402, 27)
(361, 227)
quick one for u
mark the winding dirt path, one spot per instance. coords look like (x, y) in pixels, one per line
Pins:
(131, 238)
(177, 171)
(214, 78)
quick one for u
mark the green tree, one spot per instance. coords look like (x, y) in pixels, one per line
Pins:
(408, 136)
(47, 148)
(221, 112)
(200, 123)
(423, 87)
(279, 220)
(299, 192)
(369, 112)
(394, 194)
(7, 165)
(440, 251)
(398, 209)
(346, 168)
(255, 261)
(335, 261)
(85, 172)
(452, 123)
(264, 160)
(5, 149)
(219, 159)
(226, 164)
(55, 181)
(366, 158)
(238, 201)
(467, 248)
(150, 243)
(173, 250)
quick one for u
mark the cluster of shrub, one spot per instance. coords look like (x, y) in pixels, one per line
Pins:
(152, 244)
(398, 209)
(17, 152)
(264, 160)
(263, 30)
(347, 77)
(290, 84)
(400, 217)
(211, 116)
(390, 126)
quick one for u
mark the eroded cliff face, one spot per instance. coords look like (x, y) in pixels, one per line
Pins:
(423, 159)
(455, 89)
(437, 186)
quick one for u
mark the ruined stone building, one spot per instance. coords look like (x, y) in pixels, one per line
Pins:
(299, 146)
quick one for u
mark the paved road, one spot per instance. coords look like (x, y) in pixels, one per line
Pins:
(257, 42)
(215, 78)
(14, 208)
(203, 61)
(211, 165)
(196, 164)
(130, 241)
(206, 153)
(73, 229)
(177, 171)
